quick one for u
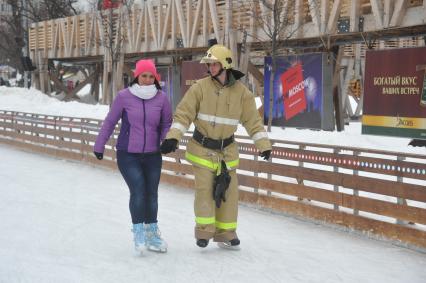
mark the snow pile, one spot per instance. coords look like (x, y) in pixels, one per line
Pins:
(34, 101)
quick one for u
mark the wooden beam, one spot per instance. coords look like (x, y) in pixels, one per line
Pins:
(105, 79)
(173, 25)
(63, 35)
(139, 21)
(387, 13)
(215, 20)
(424, 11)
(377, 8)
(355, 10)
(58, 84)
(298, 18)
(77, 37)
(146, 28)
(398, 12)
(182, 22)
(334, 14)
(228, 23)
(166, 26)
(153, 23)
(101, 28)
(129, 24)
(90, 34)
(284, 15)
(206, 22)
(159, 18)
(55, 42)
(73, 93)
(196, 24)
(324, 16)
(189, 15)
(315, 14)
(69, 35)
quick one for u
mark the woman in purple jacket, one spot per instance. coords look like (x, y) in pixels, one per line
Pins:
(145, 114)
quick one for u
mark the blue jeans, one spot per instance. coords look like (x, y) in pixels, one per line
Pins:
(141, 171)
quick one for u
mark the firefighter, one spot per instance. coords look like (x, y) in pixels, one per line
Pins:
(216, 105)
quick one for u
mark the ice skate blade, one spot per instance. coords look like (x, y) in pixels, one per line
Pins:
(156, 249)
(227, 246)
(138, 252)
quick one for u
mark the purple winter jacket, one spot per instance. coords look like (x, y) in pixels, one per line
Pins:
(144, 122)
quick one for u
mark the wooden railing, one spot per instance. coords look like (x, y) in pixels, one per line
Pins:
(377, 192)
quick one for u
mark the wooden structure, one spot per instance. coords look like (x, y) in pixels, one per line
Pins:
(113, 39)
(377, 192)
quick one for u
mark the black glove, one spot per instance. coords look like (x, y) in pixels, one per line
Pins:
(266, 154)
(168, 146)
(98, 155)
(221, 184)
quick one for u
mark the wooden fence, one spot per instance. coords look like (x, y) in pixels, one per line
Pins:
(378, 192)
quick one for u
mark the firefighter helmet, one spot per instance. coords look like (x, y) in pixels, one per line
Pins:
(219, 53)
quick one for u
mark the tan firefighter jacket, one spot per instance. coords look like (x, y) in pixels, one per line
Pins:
(216, 111)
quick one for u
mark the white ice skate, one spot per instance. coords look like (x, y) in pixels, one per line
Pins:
(153, 240)
(138, 237)
(234, 244)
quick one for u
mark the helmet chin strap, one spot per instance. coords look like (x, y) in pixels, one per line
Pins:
(217, 75)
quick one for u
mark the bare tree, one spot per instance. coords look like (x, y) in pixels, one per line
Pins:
(12, 34)
(276, 20)
(112, 39)
(14, 31)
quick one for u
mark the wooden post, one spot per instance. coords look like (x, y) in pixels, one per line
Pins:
(400, 201)
(338, 54)
(356, 173)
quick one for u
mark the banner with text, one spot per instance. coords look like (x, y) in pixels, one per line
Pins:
(395, 93)
(301, 92)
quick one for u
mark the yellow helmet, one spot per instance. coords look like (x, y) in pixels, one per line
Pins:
(219, 53)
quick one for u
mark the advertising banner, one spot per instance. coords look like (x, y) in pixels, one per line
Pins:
(191, 72)
(302, 94)
(293, 91)
(395, 93)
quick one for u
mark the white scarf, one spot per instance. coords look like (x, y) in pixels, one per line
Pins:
(143, 91)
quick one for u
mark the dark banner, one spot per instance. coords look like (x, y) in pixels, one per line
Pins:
(166, 80)
(395, 93)
(301, 92)
(190, 73)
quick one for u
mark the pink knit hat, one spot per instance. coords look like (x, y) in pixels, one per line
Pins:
(146, 65)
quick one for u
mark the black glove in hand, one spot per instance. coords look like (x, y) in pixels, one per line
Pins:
(266, 154)
(168, 146)
(98, 155)
(220, 185)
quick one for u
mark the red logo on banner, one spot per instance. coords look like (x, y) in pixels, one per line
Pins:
(293, 91)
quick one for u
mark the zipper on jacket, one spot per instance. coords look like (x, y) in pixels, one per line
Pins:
(144, 126)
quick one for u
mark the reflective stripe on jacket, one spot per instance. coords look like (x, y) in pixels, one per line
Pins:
(216, 111)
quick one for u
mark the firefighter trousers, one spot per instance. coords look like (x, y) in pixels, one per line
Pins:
(212, 222)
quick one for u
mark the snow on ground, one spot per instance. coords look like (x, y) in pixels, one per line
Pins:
(34, 101)
(64, 221)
